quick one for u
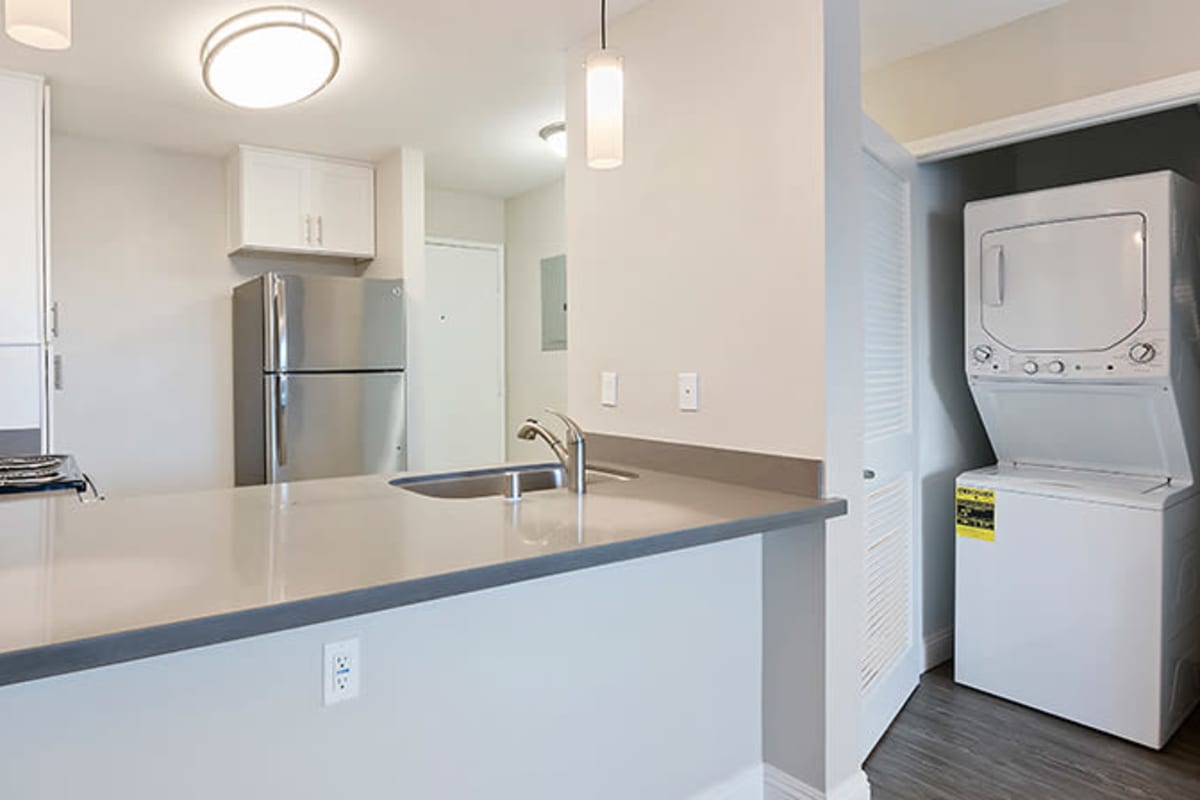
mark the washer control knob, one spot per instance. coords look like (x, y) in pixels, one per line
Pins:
(1031, 368)
(1142, 353)
(982, 354)
(1056, 367)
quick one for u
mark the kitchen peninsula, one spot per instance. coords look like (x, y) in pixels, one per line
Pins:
(656, 596)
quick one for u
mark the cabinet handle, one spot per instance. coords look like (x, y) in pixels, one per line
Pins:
(320, 230)
(308, 228)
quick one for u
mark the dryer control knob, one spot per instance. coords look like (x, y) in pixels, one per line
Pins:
(1056, 367)
(1031, 368)
(1142, 353)
(982, 354)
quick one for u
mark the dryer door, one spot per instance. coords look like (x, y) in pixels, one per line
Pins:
(1074, 285)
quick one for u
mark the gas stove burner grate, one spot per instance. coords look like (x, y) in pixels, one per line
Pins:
(39, 472)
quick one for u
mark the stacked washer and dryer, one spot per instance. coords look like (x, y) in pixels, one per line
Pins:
(1078, 554)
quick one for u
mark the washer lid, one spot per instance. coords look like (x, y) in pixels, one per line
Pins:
(1130, 491)
(1073, 285)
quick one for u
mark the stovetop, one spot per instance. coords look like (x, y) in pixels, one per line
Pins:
(39, 473)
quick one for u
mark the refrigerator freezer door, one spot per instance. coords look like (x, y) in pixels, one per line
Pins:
(317, 324)
(332, 425)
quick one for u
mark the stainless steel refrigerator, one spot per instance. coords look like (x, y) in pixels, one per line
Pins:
(318, 378)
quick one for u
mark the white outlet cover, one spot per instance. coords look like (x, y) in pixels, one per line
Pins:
(340, 672)
(689, 391)
(608, 389)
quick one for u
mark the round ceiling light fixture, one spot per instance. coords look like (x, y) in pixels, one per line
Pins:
(270, 57)
(44, 24)
(555, 137)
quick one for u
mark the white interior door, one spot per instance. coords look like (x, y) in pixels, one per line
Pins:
(891, 664)
(464, 372)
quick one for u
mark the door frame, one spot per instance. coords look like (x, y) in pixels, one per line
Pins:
(502, 307)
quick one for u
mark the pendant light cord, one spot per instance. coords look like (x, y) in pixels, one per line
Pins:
(603, 24)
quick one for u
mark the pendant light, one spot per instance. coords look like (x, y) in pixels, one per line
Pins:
(44, 24)
(270, 57)
(605, 103)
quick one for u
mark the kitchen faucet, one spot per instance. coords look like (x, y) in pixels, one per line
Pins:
(572, 455)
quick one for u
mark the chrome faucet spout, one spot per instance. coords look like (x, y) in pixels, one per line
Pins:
(573, 455)
(532, 429)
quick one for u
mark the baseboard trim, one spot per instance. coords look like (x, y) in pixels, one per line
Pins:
(939, 647)
(745, 785)
(778, 785)
(856, 787)
(765, 782)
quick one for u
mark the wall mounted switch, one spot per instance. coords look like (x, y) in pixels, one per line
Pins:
(689, 391)
(608, 389)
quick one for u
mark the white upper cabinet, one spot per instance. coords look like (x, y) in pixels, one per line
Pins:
(345, 193)
(21, 217)
(294, 203)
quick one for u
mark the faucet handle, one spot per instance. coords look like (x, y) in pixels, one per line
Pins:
(572, 428)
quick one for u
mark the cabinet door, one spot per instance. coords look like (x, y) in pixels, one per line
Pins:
(273, 202)
(343, 199)
(20, 210)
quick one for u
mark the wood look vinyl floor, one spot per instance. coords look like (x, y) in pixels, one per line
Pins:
(954, 743)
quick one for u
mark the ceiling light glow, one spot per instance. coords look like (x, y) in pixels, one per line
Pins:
(270, 57)
(44, 24)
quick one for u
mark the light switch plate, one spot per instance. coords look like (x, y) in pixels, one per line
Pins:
(608, 389)
(689, 391)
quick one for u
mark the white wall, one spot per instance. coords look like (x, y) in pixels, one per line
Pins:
(143, 287)
(1072, 51)
(464, 216)
(536, 229)
(704, 252)
(726, 245)
(634, 680)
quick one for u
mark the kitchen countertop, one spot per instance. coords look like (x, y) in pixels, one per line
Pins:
(86, 585)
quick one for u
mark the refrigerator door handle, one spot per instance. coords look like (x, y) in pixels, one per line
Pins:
(279, 299)
(281, 422)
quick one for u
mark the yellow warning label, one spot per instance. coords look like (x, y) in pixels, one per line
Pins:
(975, 513)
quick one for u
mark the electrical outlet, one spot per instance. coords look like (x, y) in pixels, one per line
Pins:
(340, 674)
(689, 391)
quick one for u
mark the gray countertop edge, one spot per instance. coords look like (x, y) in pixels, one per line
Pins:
(46, 661)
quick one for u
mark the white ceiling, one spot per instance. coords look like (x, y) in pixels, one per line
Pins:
(896, 29)
(469, 81)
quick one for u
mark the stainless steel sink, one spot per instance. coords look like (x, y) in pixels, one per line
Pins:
(494, 482)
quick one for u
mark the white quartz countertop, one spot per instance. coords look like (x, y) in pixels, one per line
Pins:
(82, 585)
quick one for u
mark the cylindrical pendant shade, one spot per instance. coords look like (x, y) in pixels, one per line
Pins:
(45, 24)
(605, 110)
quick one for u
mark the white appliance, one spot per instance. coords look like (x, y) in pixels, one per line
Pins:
(1078, 555)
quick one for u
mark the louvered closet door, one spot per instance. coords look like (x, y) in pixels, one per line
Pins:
(890, 666)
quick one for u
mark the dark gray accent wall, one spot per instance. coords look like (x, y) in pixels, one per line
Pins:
(1166, 140)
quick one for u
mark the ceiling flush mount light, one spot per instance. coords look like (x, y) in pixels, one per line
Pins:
(555, 137)
(44, 24)
(270, 57)
(605, 103)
